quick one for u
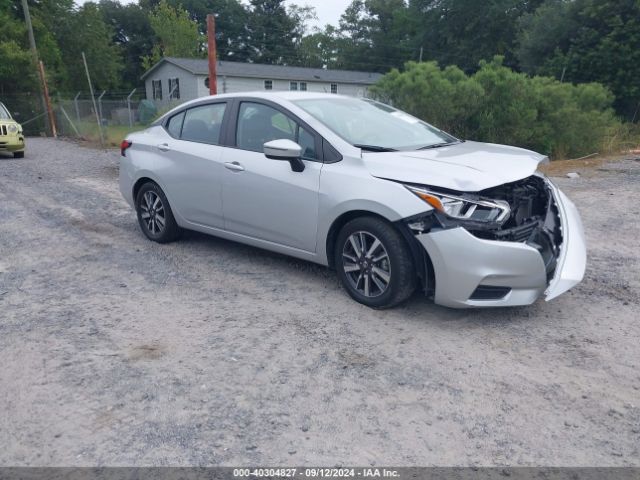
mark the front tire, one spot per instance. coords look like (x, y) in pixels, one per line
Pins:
(154, 214)
(18, 154)
(374, 263)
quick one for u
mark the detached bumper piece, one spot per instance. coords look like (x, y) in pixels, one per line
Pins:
(539, 249)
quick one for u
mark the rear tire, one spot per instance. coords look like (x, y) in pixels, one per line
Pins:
(18, 154)
(154, 214)
(374, 263)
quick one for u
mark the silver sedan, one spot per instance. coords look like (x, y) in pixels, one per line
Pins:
(387, 200)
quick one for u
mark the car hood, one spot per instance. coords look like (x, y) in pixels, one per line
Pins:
(467, 166)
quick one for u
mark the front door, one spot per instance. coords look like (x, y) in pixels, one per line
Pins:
(264, 198)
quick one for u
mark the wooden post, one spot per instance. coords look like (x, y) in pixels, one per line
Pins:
(47, 100)
(34, 54)
(211, 40)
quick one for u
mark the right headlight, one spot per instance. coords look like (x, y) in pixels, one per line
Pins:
(13, 128)
(461, 208)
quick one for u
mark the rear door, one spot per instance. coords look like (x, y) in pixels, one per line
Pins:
(264, 198)
(193, 169)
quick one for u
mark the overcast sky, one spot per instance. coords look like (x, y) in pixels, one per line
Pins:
(328, 11)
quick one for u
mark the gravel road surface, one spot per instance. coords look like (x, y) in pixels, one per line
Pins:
(118, 351)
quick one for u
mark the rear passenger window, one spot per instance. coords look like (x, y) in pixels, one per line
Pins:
(202, 124)
(175, 125)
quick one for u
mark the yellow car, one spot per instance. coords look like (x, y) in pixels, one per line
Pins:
(11, 136)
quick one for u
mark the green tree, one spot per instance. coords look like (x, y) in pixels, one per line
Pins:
(543, 32)
(447, 98)
(319, 49)
(231, 23)
(85, 31)
(498, 105)
(272, 33)
(17, 72)
(463, 32)
(177, 35)
(586, 41)
(132, 35)
(373, 35)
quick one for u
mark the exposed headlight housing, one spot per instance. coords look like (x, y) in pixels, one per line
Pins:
(461, 208)
(13, 128)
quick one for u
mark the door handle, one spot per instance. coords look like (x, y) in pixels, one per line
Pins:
(164, 147)
(234, 166)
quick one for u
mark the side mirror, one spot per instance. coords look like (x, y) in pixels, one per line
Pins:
(286, 150)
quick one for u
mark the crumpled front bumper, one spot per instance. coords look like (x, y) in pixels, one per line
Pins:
(463, 262)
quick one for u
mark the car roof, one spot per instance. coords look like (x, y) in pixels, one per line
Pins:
(275, 96)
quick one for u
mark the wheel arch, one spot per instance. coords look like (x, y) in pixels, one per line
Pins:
(337, 225)
(422, 262)
(139, 183)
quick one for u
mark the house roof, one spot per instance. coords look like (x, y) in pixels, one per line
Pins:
(198, 66)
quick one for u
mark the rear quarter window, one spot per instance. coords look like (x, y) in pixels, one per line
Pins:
(174, 125)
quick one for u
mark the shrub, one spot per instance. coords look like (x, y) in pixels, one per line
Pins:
(499, 105)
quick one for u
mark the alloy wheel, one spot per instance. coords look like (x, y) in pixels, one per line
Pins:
(153, 214)
(366, 264)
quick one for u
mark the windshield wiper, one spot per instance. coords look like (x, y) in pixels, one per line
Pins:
(438, 145)
(374, 148)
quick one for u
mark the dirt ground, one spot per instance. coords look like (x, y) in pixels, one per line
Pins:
(118, 351)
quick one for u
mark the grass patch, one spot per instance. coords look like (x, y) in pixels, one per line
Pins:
(113, 134)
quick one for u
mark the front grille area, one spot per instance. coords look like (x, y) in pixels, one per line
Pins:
(3, 130)
(534, 218)
(521, 233)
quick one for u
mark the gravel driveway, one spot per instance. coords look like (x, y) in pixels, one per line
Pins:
(118, 351)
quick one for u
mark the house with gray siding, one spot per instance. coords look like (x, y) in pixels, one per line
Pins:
(176, 80)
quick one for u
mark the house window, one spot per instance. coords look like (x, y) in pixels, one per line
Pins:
(334, 88)
(268, 85)
(156, 88)
(303, 86)
(174, 88)
(293, 86)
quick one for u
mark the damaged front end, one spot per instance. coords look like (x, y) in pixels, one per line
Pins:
(534, 219)
(499, 246)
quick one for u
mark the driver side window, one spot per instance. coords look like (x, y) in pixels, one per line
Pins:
(258, 124)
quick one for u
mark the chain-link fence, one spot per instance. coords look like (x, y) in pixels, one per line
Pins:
(28, 110)
(77, 115)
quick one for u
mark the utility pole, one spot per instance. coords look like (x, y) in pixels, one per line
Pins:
(36, 63)
(211, 41)
(421, 49)
(47, 100)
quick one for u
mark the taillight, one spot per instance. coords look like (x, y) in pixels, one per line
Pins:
(124, 145)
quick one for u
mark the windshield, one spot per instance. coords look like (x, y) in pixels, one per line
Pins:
(373, 125)
(4, 113)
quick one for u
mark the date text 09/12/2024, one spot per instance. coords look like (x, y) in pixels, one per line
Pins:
(316, 472)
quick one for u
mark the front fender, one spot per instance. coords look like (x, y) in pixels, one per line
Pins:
(349, 190)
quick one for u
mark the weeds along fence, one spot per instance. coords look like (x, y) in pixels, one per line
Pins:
(77, 114)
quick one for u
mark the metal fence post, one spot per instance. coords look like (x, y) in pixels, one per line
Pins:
(75, 101)
(100, 105)
(129, 107)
